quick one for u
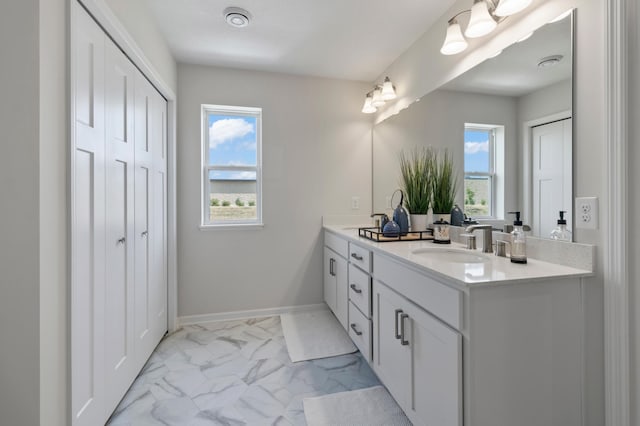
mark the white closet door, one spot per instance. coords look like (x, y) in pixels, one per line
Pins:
(120, 366)
(143, 229)
(552, 172)
(158, 288)
(88, 244)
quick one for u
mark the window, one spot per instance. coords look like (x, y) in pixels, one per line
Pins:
(483, 161)
(231, 166)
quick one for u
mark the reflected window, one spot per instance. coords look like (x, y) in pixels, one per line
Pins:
(231, 144)
(480, 171)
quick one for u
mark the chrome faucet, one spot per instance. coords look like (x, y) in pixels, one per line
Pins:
(487, 243)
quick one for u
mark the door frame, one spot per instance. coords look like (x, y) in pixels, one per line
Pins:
(617, 342)
(99, 10)
(527, 153)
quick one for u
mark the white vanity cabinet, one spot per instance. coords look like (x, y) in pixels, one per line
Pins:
(360, 326)
(418, 358)
(335, 277)
(512, 352)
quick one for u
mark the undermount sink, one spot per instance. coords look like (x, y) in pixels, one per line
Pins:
(451, 255)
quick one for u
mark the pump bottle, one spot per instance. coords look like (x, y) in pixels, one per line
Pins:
(561, 233)
(518, 241)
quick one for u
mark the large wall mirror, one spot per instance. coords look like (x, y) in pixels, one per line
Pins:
(508, 124)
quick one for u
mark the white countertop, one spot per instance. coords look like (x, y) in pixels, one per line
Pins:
(494, 271)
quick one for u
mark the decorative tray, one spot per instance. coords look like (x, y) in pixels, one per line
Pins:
(374, 234)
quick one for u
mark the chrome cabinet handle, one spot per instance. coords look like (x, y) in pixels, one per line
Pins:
(356, 257)
(355, 330)
(356, 289)
(144, 233)
(331, 271)
(398, 311)
(402, 340)
(121, 240)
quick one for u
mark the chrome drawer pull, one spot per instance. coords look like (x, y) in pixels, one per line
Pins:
(402, 340)
(398, 311)
(355, 330)
(356, 257)
(121, 240)
(356, 289)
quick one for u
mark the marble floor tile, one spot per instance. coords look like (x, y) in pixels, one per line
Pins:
(233, 373)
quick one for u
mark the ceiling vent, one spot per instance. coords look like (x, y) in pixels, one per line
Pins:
(237, 17)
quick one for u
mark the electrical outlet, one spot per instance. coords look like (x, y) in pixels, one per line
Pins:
(388, 202)
(586, 212)
(355, 203)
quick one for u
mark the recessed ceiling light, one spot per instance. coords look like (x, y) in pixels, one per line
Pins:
(549, 61)
(237, 17)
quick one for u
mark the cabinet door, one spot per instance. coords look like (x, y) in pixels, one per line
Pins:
(436, 361)
(342, 291)
(330, 279)
(391, 359)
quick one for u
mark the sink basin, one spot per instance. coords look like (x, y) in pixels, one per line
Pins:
(451, 255)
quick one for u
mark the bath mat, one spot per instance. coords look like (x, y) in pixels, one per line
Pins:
(371, 407)
(315, 334)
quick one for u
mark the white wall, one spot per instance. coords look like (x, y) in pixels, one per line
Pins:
(316, 154)
(19, 215)
(53, 213)
(422, 68)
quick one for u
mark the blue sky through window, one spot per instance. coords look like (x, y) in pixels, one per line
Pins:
(232, 141)
(476, 150)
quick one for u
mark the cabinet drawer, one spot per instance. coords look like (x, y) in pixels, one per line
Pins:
(360, 256)
(360, 331)
(440, 300)
(360, 290)
(336, 244)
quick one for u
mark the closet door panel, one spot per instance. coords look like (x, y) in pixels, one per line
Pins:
(87, 256)
(120, 246)
(144, 232)
(158, 294)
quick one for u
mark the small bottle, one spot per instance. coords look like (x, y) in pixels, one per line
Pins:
(518, 241)
(561, 233)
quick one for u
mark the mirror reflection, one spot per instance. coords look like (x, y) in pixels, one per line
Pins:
(508, 124)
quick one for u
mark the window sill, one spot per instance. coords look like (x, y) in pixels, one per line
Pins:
(231, 226)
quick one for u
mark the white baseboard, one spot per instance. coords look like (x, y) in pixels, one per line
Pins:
(255, 313)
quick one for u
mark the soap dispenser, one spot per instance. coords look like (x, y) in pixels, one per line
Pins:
(561, 233)
(518, 241)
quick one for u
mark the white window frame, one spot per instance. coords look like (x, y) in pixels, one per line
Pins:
(206, 168)
(492, 173)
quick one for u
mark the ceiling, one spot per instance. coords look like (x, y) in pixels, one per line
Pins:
(346, 39)
(515, 71)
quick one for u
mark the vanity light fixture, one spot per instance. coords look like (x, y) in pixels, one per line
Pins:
(485, 15)
(380, 94)
(368, 108)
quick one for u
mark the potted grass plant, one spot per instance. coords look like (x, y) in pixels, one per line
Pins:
(444, 186)
(416, 169)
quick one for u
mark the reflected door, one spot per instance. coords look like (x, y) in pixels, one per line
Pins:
(552, 171)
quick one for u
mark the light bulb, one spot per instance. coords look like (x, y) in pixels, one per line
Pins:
(367, 108)
(388, 91)
(481, 22)
(377, 97)
(454, 42)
